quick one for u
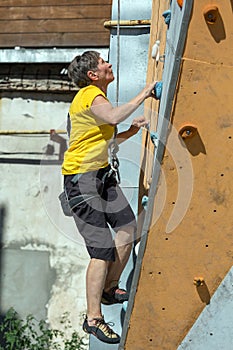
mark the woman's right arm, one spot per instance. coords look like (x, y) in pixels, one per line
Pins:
(114, 115)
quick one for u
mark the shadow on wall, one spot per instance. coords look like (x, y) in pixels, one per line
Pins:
(216, 25)
(194, 144)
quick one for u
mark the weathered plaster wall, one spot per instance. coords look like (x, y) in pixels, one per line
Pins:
(43, 260)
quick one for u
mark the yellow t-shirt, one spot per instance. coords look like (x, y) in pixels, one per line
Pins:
(89, 136)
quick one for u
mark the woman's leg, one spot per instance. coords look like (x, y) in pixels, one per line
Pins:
(123, 241)
(95, 280)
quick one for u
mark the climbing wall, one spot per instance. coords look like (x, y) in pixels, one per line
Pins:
(182, 291)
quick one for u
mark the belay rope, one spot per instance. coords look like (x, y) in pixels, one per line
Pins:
(113, 146)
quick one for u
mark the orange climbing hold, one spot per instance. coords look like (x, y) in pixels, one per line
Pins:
(180, 2)
(210, 14)
(198, 281)
(187, 131)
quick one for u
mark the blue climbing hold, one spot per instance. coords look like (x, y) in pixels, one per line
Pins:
(158, 90)
(154, 137)
(167, 16)
(125, 304)
(144, 201)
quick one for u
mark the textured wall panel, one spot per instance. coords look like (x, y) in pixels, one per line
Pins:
(189, 246)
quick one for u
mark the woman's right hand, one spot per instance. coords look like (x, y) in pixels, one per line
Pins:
(149, 90)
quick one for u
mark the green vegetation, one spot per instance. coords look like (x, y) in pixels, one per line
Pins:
(30, 334)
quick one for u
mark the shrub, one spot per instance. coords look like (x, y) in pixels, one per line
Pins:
(30, 334)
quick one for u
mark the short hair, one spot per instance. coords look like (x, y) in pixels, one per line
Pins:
(78, 68)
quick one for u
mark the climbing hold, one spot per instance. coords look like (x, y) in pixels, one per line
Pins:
(211, 14)
(155, 51)
(162, 58)
(144, 201)
(188, 131)
(124, 306)
(136, 248)
(154, 138)
(198, 281)
(158, 90)
(180, 3)
(202, 289)
(167, 16)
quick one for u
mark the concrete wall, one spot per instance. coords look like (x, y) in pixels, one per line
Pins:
(43, 259)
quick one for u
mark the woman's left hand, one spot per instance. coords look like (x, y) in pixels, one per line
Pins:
(139, 122)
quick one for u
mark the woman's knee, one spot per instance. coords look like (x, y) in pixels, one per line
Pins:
(125, 235)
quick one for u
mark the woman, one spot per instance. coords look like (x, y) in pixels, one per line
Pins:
(91, 185)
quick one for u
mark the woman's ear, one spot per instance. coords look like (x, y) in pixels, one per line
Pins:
(92, 75)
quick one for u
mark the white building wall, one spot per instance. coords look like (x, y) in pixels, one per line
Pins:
(43, 260)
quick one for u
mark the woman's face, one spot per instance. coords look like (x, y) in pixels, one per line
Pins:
(104, 71)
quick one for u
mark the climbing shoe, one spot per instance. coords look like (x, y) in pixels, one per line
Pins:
(102, 331)
(115, 296)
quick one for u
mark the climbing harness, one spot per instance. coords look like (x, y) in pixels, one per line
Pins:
(69, 204)
(65, 204)
(114, 161)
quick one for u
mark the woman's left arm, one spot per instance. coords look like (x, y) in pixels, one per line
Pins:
(137, 123)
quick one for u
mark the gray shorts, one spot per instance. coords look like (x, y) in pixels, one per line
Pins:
(104, 205)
